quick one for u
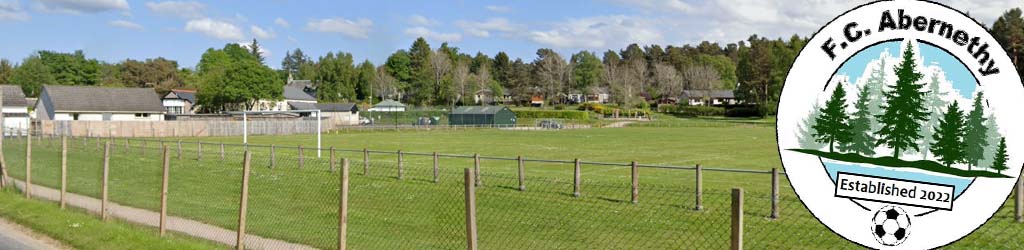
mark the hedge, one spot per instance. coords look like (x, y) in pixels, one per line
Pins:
(553, 114)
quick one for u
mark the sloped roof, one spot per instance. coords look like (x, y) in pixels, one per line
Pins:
(726, 94)
(337, 107)
(102, 99)
(185, 94)
(477, 110)
(297, 93)
(302, 105)
(13, 96)
(388, 104)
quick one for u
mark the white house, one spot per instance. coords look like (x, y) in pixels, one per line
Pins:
(87, 103)
(15, 108)
(180, 102)
(340, 113)
(714, 97)
(388, 106)
(296, 91)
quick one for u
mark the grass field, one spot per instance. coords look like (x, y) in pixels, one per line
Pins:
(299, 205)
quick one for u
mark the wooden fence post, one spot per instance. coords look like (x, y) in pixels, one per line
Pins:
(636, 182)
(775, 193)
(106, 182)
(436, 178)
(522, 173)
(28, 165)
(163, 191)
(576, 178)
(302, 161)
(476, 170)
(273, 156)
(699, 189)
(400, 164)
(3, 161)
(243, 203)
(179, 150)
(343, 205)
(331, 163)
(737, 218)
(471, 237)
(221, 151)
(366, 161)
(63, 171)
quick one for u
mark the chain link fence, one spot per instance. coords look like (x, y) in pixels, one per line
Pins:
(417, 200)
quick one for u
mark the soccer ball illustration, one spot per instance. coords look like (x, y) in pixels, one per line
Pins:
(890, 226)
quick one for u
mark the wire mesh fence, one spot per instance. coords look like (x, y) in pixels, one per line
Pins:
(417, 200)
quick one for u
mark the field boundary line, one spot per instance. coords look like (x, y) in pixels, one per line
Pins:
(150, 218)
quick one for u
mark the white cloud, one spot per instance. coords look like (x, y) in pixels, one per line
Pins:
(10, 10)
(281, 22)
(599, 32)
(350, 28)
(82, 6)
(126, 24)
(263, 49)
(985, 11)
(262, 33)
(484, 28)
(181, 9)
(419, 20)
(432, 35)
(216, 29)
(499, 8)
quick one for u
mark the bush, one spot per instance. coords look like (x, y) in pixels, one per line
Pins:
(560, 107)
(701, 111)
(553, 114)
(744, 112)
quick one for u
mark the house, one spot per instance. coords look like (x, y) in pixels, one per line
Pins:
(87, 103)
(482, 116)
(598, 95)
(295, 91)
(15, 109)
(388, 106)
(338, 113)
(714, 97)
(537, 100)
(180, 102)
(483, 96)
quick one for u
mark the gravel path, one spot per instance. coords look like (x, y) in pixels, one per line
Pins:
(17, 237)
(150, 218)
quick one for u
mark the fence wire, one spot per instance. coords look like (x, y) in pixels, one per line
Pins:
(402, 201)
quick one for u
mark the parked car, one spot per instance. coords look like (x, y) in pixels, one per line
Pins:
(550, 124)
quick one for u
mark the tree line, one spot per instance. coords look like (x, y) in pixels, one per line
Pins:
(755, 69)
(914, 118)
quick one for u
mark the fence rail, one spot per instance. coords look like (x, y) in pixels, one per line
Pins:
(277, 197)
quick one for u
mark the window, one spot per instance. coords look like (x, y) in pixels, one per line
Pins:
(74, 116)
(141, 115)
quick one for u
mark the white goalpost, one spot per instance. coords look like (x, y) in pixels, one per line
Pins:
(245, 124)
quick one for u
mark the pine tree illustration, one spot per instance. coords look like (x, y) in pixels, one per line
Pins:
(876, 97)
(948, 146)
(861, 141)
(934, 105)
(904, 108)
(833, 124)
(993, 138)
(974, 138)
(999, 164)
(806, 133)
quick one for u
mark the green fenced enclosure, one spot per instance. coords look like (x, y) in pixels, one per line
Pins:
(395, 202)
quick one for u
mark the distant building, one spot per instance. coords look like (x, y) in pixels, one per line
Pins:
(537, 100)
(388, 106)
(483, 96)
(598, 95)
(87, 103)
(180, 102)
(340, 113)
(15, 109)
(714, 97)
(295, 91)
(482, 115)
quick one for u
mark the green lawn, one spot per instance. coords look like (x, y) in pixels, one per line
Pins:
(299, 205)
(84, 231)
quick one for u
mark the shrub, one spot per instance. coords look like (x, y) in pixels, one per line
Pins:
(701, 111)
(553, 114)
(560, 107)
(744, 112)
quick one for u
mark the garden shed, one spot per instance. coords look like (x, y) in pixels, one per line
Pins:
(482, 116)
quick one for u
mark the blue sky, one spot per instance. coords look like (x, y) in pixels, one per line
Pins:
(960, 77)
(114, 30)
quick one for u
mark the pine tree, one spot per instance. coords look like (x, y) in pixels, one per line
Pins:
(806, 134)
(974, 138)
(934, 105)
(904, 108)
(833, 124)
(948, 146)
(860, 126)
(993, 138)
(876, 97)
(999, 164)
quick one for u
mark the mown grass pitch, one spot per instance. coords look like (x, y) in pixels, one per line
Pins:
(299, 205)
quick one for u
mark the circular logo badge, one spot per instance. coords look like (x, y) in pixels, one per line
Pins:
(898, 123)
